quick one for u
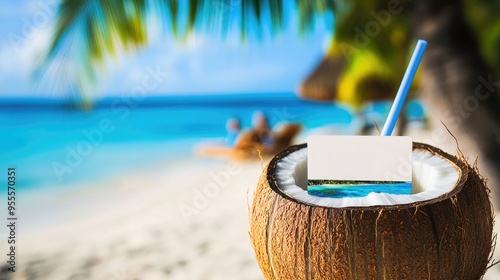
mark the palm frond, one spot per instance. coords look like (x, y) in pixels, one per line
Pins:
(308, 11)
(87, 32)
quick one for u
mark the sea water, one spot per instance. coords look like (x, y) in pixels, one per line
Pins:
(53, 144)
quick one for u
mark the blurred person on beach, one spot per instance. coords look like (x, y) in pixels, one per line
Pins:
(251, 143)
(261, 130)
(233, 128)
(261, 138)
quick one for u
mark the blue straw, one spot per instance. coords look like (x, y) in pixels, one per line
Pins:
(399, 101)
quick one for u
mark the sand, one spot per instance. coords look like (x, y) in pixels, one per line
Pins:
(132, 227)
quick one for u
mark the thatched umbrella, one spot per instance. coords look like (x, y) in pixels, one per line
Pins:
(321, 84)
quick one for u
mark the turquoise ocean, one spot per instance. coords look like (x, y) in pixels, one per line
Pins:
(53, 144)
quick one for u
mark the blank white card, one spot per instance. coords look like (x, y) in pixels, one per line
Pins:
(359, 158)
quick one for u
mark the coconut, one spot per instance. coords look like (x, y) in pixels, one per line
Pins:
(441, 231)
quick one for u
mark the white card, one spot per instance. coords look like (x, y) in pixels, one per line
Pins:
(359, 158)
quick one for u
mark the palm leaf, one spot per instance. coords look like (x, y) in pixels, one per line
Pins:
(87, 32)
(99, 28)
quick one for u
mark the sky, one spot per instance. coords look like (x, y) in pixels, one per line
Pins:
(205, 64)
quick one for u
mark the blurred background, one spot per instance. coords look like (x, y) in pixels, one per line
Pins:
(138, 128)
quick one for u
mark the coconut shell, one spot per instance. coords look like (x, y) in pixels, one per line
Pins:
(448, 237)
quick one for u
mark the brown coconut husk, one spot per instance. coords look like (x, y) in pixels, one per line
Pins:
(448, 237)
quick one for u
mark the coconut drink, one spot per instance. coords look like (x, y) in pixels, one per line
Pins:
(441, 229)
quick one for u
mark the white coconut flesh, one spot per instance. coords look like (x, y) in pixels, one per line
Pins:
(432, 175)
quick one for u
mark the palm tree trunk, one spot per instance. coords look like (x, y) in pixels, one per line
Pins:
(458, 88)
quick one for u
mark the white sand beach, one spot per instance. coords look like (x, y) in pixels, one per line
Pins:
(132, 227)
